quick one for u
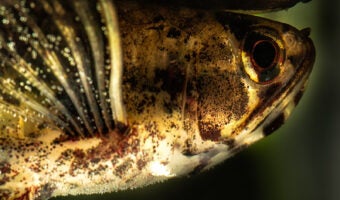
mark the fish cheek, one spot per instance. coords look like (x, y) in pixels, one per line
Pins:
(222, 100)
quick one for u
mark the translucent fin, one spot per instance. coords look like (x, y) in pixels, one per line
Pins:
(116, 61)
(62, 61)
(96, 41)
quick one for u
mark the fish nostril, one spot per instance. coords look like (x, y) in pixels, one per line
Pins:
(306, 32)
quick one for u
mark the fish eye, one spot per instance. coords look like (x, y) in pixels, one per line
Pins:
(262, 55)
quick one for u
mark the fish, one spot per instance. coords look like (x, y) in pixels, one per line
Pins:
(100, 96)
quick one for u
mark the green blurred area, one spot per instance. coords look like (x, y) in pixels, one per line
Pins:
(302, 159)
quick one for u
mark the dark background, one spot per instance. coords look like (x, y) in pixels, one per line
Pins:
(302, 159)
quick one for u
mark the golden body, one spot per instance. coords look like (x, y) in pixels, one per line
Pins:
(116, 99)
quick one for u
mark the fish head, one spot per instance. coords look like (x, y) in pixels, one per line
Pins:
(250, 91)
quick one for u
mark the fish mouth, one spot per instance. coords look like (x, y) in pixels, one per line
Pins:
(297, 84)
(281, 104)
(306, 67)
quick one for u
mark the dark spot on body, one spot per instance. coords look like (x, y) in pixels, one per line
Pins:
(35, 167)
(62, 138)
(5, 194)
(174, 33)
(33, 134)
(66, 155)
(80, 162)
(157, 19)
(274, 125)
(42, 126)
(172, 78)
(298, 97)
(209, 131)
(3, 180)
(222, 45)
(78, 153)
(95, 160)
(114, 160)
(187, 57)
(123, 168)
(204, 57)
(270, 91)
(157, 28)
(152, 128)
(140, 164)
(121, 127)
(131, 81)
(168, 107)
(5, 168)
(231, 143)
(187, 152)
(134, 146)
(145, 102)
(98, 170)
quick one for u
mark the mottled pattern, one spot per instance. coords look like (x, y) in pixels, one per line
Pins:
(97, 98)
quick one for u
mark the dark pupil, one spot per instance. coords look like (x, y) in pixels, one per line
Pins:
(264, 53)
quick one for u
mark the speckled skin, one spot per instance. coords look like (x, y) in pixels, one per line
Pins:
(188, 98)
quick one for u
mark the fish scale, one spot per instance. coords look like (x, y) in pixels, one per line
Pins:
(101, 96)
